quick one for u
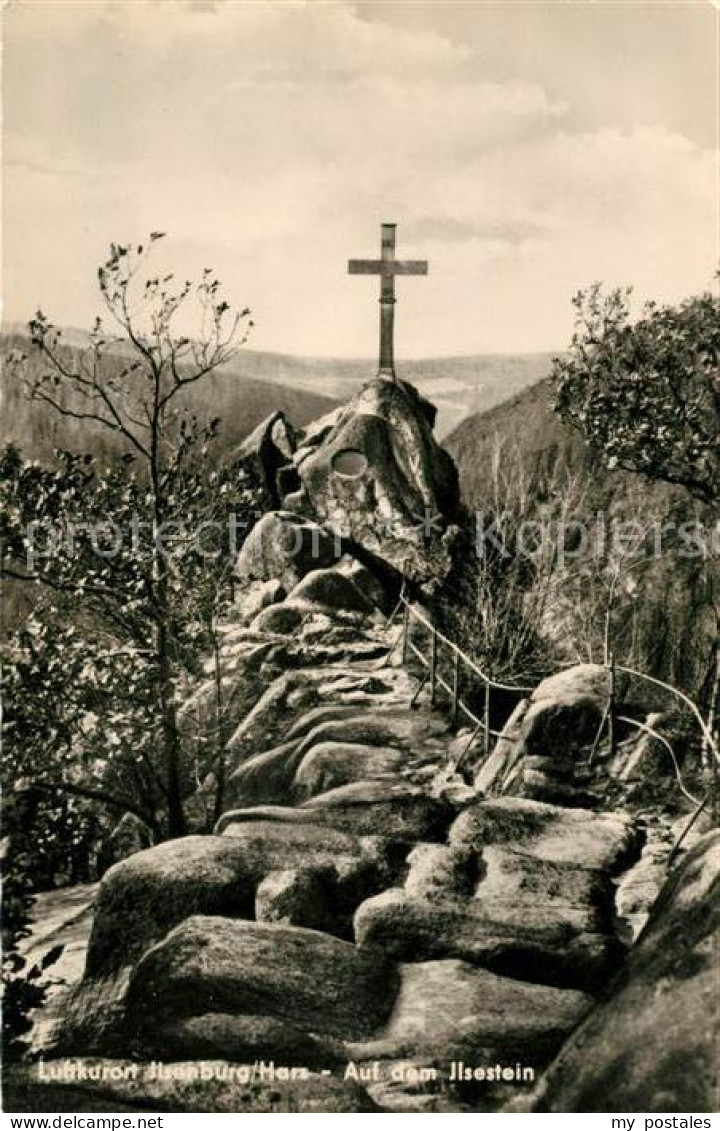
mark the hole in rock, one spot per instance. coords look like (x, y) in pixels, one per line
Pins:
(349, 463)
(288, 480)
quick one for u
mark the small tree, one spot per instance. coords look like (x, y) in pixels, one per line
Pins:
(82, 677)
(647, 395)
(130, 381)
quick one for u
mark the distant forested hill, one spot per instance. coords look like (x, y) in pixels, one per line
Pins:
(256, 383)
(526, 423)
(239, 398)
(457, 386)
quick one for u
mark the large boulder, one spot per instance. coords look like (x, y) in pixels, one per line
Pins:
(143, 897)
(285, 547)
(331, 589)
(392, 811)
(517, 888)
(270, 845)
(652, 1046)
(449, 1010)
(324, 713)
(310, 875)
(322, 598)
(269, 448)
(269, 777)
(283, 619)
(538, 948)
(266, 778)
(543, 749)
(331, 764)
(287, 707)
(602, 841)
(574, 697)
(395, 726)
(376, 475)
(520, 888)
(310, 980)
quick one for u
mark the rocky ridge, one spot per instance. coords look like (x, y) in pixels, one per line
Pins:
(359, 913)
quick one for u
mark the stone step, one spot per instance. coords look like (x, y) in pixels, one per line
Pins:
(546, 948)
(447, 1011)
(521, 888)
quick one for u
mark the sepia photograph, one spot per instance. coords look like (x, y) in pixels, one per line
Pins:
(360, 558)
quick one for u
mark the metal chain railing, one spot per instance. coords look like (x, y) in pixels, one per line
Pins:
(432, 674)
(461, 662)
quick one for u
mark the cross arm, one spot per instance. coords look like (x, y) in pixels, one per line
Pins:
(364, 266)
(410, 267)
(390, 267)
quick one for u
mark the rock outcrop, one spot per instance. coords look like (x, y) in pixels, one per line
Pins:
(282, 548)
(652, 1046)
(267, 452)
(521, 888)
(374, 473)
(345, 746)
(556, 745)
(143, 897)
(357, 912)
(544, 748)
(308, 979)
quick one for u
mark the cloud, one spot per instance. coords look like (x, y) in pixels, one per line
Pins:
(448, 229)
(270, 139)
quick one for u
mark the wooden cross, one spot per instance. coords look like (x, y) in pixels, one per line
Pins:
(387, 267)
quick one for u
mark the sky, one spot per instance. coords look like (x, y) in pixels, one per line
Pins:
(525, 149)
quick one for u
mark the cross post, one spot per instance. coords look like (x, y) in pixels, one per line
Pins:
(387, 267)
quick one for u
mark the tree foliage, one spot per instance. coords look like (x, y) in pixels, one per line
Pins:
(84, 679)
(647, 394)
(132, 563)
(24, 986)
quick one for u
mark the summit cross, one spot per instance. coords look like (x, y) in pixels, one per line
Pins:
(387, 267)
